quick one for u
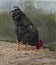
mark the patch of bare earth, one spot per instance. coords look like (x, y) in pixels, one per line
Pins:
(10, 56)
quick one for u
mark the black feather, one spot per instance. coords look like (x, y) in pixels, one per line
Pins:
(24, 29)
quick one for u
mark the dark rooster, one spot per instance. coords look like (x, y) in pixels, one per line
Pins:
(24, 29)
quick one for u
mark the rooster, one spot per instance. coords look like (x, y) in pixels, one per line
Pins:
(24, 29)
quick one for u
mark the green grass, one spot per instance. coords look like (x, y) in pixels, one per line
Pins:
(6, 25)
(52, 46)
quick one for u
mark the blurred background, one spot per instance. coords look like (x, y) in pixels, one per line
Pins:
(41, 13)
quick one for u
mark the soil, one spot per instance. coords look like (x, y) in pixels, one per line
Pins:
(9, 55)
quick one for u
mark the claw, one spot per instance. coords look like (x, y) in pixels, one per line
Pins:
(18, 45)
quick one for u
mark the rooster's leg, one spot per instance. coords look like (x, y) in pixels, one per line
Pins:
(27, 47)
(18, 45)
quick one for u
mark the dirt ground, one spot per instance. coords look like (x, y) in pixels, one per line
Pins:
(10, 56)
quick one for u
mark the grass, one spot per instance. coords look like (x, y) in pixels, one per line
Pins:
(52, 46)
(6, 25)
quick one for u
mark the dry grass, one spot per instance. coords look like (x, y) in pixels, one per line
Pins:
(10, 56)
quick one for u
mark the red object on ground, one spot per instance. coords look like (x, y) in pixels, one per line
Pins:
(39, 44)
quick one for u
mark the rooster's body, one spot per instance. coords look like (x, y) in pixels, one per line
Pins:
(24, 29)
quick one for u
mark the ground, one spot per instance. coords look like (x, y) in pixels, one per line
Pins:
(10, 56)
